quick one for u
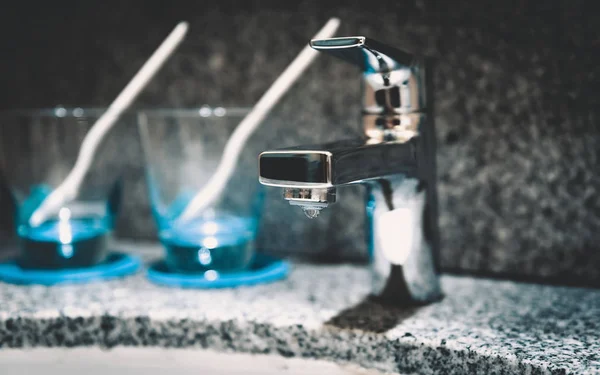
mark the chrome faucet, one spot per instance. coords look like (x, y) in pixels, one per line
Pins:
(395, 160)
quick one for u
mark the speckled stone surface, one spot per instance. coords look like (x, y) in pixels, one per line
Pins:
(481, 326)
(517, 110)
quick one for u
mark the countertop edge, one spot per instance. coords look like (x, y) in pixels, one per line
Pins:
(366, 349)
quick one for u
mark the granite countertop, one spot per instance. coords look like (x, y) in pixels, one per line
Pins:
(320, 311)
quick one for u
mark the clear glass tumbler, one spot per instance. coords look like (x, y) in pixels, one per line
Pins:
(182, 150)
(38, 148)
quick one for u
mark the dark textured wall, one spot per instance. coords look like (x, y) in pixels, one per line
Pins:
(517, 110)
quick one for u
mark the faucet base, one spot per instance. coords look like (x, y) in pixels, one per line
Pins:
(395, 291)
(402, 259)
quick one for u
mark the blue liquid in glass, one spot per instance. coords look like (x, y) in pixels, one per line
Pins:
(224, 243)
(72, 243)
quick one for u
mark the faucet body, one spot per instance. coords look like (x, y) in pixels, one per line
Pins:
(395, 160)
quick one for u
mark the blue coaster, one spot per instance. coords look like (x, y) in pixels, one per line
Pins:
(116, 265)
(264, 269)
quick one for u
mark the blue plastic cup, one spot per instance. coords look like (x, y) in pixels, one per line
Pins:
(38, 148)
(182, 150)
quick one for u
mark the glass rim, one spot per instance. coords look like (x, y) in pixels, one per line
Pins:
(76, 112)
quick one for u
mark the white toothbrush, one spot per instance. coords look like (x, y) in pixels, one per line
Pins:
(69, 188)
(213, 188)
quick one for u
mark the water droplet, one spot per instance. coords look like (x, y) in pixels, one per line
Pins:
(310, 212)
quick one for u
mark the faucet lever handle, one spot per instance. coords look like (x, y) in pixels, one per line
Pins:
(368, 54)
(394, 80)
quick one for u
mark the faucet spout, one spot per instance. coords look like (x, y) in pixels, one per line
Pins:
(337, 163)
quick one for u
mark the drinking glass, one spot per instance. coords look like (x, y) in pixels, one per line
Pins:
(182, 150)
(38, 148)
